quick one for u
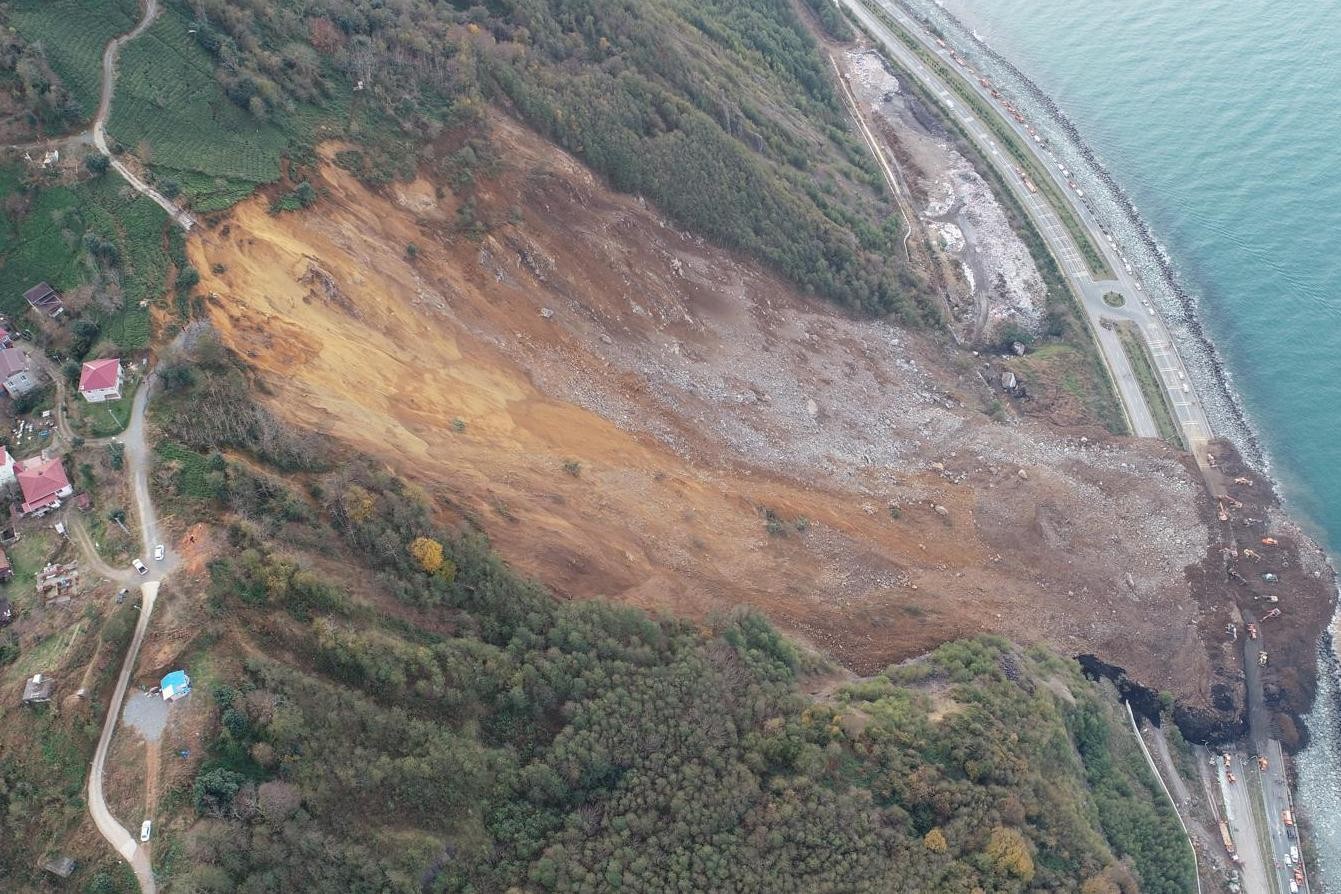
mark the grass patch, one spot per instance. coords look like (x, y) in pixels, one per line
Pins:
(73, 34)
(171, 111)
(191, 470)
(107, 418)
(1155, 396)
(1114, 299)
(27, 558)
(47, 243)
(1008, 138)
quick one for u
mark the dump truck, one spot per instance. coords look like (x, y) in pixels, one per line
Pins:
(1224, 836)
(1262, 662)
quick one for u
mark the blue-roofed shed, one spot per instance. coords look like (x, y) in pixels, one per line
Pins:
(176, 685)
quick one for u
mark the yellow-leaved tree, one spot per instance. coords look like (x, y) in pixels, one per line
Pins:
(935, 841)
(1009, 852)
(427, 552)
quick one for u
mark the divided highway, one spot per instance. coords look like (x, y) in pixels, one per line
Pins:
(876, 16)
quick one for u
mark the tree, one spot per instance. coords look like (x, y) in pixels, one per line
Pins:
(427, 553)
(215, 790)
(935, 841)
(97, 163)
(1009, 853)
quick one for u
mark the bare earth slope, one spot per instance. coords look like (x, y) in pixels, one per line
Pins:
(648, 418)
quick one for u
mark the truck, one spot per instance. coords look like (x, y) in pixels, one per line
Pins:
(1287, 817)
(1224, 836)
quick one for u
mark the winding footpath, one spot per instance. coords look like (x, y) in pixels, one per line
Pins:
(97, 133)
(183, 218)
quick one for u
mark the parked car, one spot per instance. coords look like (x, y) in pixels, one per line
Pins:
(139, 566)
(144, 830)
(158, 553)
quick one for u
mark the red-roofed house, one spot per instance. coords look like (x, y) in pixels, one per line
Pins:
(100, 380)
(43, 483)
(6, 466)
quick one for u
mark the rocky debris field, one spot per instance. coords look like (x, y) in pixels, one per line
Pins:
(634, 414)
(1000, 283)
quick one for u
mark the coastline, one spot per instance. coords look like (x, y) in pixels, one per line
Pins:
(1209, 362)
(1318, 756)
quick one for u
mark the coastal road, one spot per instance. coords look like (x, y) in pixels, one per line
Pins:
(1238, 799)
(1273, 789)
(137, 466)
(1187, 409)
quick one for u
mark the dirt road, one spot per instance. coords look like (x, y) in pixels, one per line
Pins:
(183, 218)
(137, 462)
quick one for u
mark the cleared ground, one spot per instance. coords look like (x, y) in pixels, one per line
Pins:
(735, 442)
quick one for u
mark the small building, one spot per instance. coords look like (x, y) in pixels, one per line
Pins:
(61, 867)
(6, 569)
(6, 338)
(43, 484)
(45, 300)
(56, 580)
(6, 466)
(38, 690)
(100, 380)
(6, 612)
(16, 372)
(175, 685)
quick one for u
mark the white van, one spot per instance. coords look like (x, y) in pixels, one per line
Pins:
(144, 830)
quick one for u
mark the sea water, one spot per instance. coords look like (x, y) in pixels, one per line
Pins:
(1218, 121)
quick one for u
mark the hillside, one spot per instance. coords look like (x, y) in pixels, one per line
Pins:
(388, 707)
(575, 479)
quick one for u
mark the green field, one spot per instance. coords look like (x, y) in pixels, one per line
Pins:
(73, 34)
(171, 112)
(47, 243)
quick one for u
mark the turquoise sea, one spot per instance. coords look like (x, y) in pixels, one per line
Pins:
(1219, 119)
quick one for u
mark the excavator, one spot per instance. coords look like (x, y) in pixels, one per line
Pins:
(1274, 613)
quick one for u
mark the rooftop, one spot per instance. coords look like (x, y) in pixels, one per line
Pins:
(99, 374)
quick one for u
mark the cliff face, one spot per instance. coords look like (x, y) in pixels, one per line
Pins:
(634, 414)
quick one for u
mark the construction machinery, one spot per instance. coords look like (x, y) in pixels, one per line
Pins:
(1274, 613)
(1252, 631)
(1233, 632)
(1261, 662)
(1252, 554)
(1224, 837)
(1229, 759)
(1262, 763)
(1269, 541)
(1223, 513)
(1247, 482)
(1229, 774)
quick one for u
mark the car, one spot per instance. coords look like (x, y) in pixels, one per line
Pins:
(139, 566)
(144, 829)
(158, 553)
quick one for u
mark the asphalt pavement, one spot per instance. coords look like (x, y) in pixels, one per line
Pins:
(1187, 407)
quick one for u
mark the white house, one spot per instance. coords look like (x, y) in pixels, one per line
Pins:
(100, 380)
(6, 467)
(16, 372)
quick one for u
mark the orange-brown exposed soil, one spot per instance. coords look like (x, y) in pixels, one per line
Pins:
(628, 411)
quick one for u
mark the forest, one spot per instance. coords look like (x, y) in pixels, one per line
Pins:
(511, 741)
(722, 113)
